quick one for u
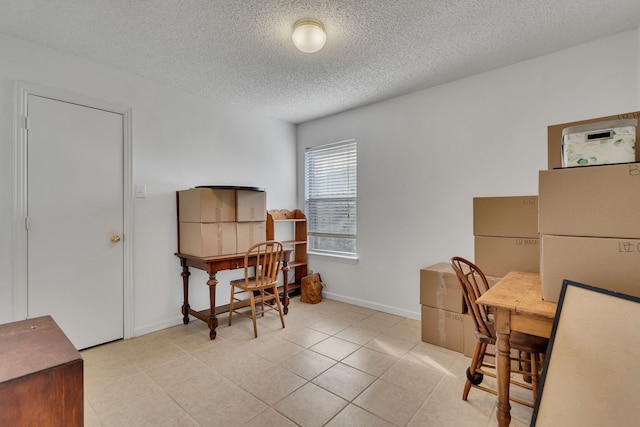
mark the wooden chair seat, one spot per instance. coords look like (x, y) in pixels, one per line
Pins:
(518, 340)
(247, 284)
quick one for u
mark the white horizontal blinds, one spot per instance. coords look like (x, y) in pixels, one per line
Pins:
(331, 196)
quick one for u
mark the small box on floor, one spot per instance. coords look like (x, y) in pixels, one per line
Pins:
(440, 288)
(470, 341)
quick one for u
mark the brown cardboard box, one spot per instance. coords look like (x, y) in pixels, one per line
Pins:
(496, 256)
(206, 205)
(513, 216)
(439, 288)
(608, 263)
(443, 328)
(250, 233)
(251, 206)
(594, 201)
(492, 280)
(470, 341)
(208, 239)
(554, 136)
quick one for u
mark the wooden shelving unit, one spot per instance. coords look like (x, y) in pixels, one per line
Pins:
(298, 261)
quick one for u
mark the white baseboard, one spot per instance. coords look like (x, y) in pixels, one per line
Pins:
(374, 306)
(158, 326)
(164, 324)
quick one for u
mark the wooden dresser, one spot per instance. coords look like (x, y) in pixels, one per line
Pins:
(41, 375)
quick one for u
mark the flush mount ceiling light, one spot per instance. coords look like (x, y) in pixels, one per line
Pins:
(308, 35)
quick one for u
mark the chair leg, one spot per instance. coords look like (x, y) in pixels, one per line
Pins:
(476, 361)
(262, 302)
(231, 305)
(253, 314)
(277, 298)
(534, 375)
(525, 365)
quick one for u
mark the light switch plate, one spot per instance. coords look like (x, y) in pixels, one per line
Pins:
(141, 191)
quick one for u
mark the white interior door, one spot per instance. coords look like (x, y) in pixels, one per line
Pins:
(75, 207)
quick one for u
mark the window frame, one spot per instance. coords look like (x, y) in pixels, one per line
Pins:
(347, 194)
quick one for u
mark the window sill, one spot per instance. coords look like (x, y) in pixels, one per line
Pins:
(331, 257)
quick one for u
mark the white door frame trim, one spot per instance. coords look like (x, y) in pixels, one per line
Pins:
(20, 258)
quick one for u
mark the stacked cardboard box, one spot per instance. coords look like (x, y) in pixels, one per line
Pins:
(220, 221)
(251, 216)
(442, 307)
(506, 234)
(445, 322)
(506, 239)
(588, 219)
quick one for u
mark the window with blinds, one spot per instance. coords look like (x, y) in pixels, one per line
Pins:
(330, 176)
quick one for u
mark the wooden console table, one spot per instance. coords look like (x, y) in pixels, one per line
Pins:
(517, 298)
(211, 266)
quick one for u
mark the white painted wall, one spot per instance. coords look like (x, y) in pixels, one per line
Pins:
(424, 156)
(179, 141)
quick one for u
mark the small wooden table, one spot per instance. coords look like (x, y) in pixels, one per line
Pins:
(41, 375)
(212, 265)
(517, 299)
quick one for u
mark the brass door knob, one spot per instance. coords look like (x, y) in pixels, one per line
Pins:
(115, 238)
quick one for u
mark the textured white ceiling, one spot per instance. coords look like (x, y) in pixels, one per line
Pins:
(240, 51)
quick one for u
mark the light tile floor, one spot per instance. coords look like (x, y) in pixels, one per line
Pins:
(334, 364)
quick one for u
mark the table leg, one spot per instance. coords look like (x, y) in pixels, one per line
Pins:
(185, 289)
(285, 287)
(503, 330)
(213, 319)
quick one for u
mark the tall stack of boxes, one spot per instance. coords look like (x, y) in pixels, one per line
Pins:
(589, 222)
(506, 239)
(582, 226)
(220, 221)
